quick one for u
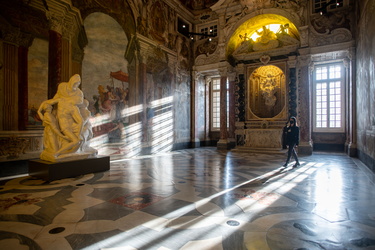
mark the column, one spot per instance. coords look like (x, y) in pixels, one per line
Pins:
(66, 69)
(22, 87)
(304, 105)
(195, 142)
(142, 90)
(223, 143)
(54, 55)
(292, 96)
(232, 109)
(240, 100)
(351, 137)
(207, 120)
(10, 96)
(23, 98)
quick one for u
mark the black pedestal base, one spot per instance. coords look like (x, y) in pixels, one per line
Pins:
(51, 171)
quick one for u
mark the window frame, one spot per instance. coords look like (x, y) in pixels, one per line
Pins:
(342, 80)
(317, 6)
(212, 106)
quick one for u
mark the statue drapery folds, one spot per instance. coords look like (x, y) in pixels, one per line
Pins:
(67, 129)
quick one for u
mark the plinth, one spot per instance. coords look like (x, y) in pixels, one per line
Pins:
(51, 171)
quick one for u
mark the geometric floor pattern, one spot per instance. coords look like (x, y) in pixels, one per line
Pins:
(196, 199)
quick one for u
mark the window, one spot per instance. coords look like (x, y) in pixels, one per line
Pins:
(183, 27)
(329, 98)
(322, 6)
(212, 30)
(215, 111)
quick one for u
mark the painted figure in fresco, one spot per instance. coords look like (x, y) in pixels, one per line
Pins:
(65, 114)
(268, 89)
(112, 100)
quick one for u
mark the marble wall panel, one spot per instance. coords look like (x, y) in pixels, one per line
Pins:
(366, 80)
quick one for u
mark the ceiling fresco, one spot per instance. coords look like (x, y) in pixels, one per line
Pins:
(198, 5)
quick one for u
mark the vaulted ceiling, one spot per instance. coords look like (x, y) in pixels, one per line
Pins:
(198, 5)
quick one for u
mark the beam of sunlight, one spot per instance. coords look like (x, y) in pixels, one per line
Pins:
(129, 111)
(211, 213)
(331, 188)
(134, 139)
(162, 101)
(162, 129)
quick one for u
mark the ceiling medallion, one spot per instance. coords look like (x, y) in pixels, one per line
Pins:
(265, 59)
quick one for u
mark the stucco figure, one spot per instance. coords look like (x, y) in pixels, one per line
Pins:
(67, 127)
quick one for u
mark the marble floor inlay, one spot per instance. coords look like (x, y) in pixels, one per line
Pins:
(195, 199)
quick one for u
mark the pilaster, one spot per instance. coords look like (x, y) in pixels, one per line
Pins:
(304, 105)
(232, 109)
(351, 138)
(223, 143)
(195, 142)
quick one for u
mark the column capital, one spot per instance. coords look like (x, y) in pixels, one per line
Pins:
(197, 75)
(18, 38)
(240, 68)
(56, 22)
(304, 60)
(231, 76)
(292, 61)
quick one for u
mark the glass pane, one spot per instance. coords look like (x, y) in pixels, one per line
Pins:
(321, 73)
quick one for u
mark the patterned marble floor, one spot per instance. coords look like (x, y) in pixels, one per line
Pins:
(196, 199)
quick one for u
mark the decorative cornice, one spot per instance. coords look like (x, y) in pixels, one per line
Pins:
(62, 16)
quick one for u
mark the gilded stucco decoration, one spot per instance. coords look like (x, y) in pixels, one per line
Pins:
(262, 32)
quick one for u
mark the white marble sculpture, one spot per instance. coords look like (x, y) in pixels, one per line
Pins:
(67, 129)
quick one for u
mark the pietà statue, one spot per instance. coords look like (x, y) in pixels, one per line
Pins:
(67, 129)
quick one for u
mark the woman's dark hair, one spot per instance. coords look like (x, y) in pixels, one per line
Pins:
(294, 119)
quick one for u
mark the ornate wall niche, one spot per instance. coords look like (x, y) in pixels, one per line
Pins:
(262, 32)
(266, 92)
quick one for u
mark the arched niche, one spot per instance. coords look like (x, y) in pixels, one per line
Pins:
(263, 33)
(104, 54)
(266, 92)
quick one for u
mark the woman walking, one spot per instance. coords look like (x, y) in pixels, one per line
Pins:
(292, 140)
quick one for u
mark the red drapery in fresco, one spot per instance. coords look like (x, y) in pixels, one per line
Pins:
(119, 75)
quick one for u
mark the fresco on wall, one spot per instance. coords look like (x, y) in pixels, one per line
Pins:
(37, 79)
(105, 78)
(111, 104)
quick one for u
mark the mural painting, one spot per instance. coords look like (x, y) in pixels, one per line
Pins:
(112, 102)
(37, 79)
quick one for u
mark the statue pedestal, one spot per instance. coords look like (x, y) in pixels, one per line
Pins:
(51, 171)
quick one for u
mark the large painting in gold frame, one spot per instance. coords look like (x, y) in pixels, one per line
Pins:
(266, 92)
